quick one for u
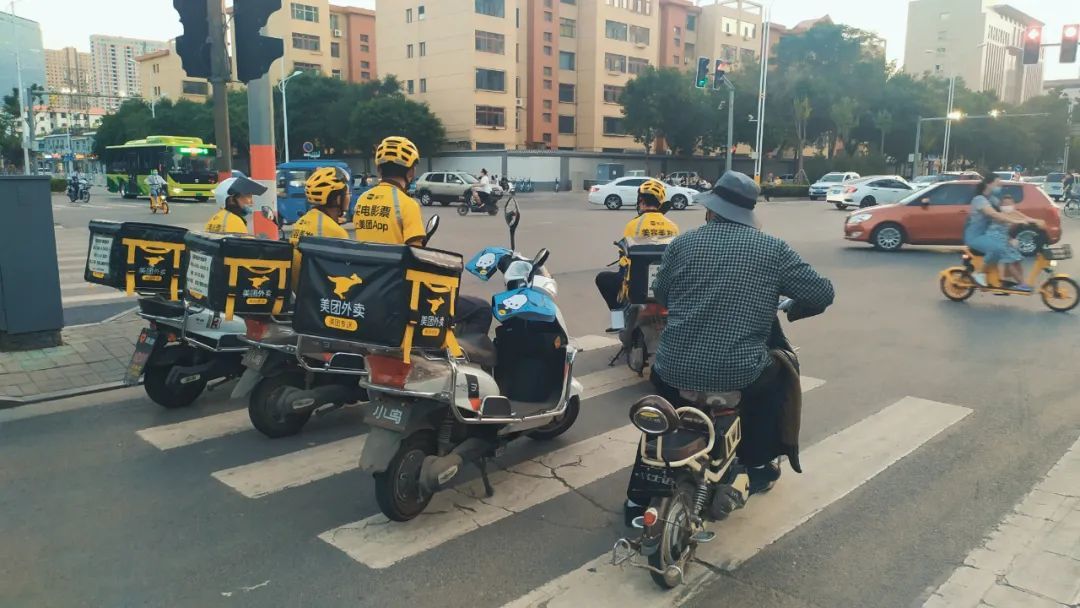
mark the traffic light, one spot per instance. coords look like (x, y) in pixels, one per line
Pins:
(702, 72)
(1032, 44)
(1069, 35)
(718, 75)
(254, 52)
(193, 46)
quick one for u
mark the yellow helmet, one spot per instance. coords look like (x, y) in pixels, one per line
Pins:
(655, 188)
(397, 150)
(323, 182)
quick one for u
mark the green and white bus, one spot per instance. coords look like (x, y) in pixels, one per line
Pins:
(186, 163)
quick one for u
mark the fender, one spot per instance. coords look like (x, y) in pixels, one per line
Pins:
(944, 274)
(162, 356)
(380, 445)
(381, 442)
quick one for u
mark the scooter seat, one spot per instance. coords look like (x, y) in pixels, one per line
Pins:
(479, 349)
(159, 307)
(678, 445)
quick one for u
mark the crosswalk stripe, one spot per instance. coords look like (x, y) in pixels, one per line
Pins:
(100, 297)
(835, 467)
(169, 436)
(594, 342)
(265, 477)
(461, 509)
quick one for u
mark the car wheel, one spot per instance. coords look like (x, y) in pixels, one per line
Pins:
(841, 206)
(1028, 242)
(868, 201)
(678, 202)
(813, 198)
(425, 198)
(613, 202)
(888, 237)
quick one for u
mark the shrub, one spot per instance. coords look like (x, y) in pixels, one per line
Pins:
(58, 184)
(787, 190)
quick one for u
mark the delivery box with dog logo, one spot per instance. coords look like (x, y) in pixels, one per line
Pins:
(387, 295)
(238, 274)
(137, 257)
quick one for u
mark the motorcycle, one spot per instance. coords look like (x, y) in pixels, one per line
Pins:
(688, 468)
(475, 203)
(79, 190)
(430, 417)
(644, 319)
(1059, 292)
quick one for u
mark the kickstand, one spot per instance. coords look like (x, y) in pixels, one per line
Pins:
(622, 351)
(488, 490)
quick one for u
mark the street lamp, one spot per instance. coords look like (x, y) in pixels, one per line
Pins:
(763, 87)
(153, 98)
(955, 115)
(285, 105)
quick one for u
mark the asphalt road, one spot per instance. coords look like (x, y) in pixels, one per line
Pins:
(929, 420)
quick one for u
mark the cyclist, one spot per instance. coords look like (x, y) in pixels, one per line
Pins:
(651, 223)
(327, 190)
(234, 196)
(157, 185)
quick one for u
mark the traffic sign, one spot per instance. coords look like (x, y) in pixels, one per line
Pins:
(308, 147)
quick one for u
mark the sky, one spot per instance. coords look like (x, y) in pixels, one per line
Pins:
(70, 22)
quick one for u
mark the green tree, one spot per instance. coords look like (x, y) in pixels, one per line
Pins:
(883, 122)
(131, 121)
(394, 114)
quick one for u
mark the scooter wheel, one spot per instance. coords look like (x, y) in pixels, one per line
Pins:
(1060, 294)
(493, 211)
(264, 414)
(171, 397)
(558, 426)
(397, 489)
(674, 517)
(463, 209)
(957, 285)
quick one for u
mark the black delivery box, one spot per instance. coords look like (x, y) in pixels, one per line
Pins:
(137, 257)
(387, 295)
(645, 256)
(238, 274)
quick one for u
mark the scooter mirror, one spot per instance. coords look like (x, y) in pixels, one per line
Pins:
(538, 263)
(512, 215)
(431, 228)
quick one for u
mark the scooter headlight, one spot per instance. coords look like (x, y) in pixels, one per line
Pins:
(653, 415)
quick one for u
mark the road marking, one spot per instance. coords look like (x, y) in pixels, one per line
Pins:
(377, 543)
(594, 342)
(100, 297)
(834, 467)
(169, 436)
(265, 477)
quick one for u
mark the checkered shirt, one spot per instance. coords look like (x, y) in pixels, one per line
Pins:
(721, 283)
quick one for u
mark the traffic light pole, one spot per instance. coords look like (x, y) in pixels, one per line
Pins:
(219, 78)
(730, 124)
(261, 136)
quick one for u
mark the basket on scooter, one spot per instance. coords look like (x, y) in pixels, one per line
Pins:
(238, 274)
(1060, 252)
(645, 255)
(392, 296)
(137, 257)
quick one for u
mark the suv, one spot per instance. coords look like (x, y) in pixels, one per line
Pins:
(444, 187)
(820, 188)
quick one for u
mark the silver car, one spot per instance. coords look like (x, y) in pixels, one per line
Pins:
(444, 187)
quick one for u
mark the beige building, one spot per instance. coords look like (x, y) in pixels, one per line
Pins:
(976, 40)
(69, 70)
(116, 73)
(161, 75)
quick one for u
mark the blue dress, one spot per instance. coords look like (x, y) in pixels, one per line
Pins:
(979, 233)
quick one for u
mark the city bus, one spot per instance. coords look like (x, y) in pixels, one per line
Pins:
(186, 163)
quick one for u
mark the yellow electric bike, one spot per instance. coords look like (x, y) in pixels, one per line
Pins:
(1059, 292)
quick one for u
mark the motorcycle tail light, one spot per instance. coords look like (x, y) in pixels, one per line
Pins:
(387, 371)
(651, 516)
(256, 328)
(654, 310)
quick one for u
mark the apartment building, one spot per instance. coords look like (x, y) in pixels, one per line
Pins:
(977, 40)
(48, 119)
(67, 69)
(116, 73)
(161, 75)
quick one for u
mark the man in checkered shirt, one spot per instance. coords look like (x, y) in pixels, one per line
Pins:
(721, 284)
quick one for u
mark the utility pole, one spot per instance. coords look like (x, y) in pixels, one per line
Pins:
(219, 78)
(764, 82)
(1068, 138)
(22, 106)
(730, 124)
(948, 125)
(916, 158)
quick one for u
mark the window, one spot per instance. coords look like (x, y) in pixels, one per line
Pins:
(675, 60)
(490, 116)
(190, 87)
(408, 51)
(614, 63)
(306, 67)
(306, 42)
(423, 85)
(567, 60)
(949, 194)
(567, 27)
(489, 146)
(746, 56)
(547, 85)
(566, 124)
(613, 126)
(304, 12)
(547, 138)
(547, 116)
(494, 8)
(420, 12)
(365, 64)
(408, 15)
(748, 30)
(547, 37)
(335, 49)
(364, 38)
(640, 35)
(547, 50)
(423, 49)
(335, 22)
(365, 75)
(365, 48)
(157, 68)
(490, 42)
(612, 93)
(437, 178)
(547, 71)
(636, 65)
(615, 30)
(567, 93)
(409, 86)
(336, 74)
(547, 104)
(689, 51)
(490, 80)
(691, 23)
(728, 52)
(548, 16)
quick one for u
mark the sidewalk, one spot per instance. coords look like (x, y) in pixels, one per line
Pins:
(1032, 559)
(92, 357)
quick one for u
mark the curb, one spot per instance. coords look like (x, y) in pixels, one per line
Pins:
(7, 403)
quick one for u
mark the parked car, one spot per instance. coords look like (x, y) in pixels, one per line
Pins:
(936, 216)
(685, 178)
(291, 196)
(820, 188)
(622, 192)
(1035, 179)
(923, 181)
(444, 187)
(1053, 186)
(869, 191)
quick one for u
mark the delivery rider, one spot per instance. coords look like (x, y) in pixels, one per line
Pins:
(234, 196)
(327, 190)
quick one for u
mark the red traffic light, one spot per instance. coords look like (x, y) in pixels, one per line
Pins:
(1070, 31)
(1069, 35)
(1034, 33)
(1032, 44)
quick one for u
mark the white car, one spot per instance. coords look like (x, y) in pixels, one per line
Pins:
(820, 188)
(870, 191)
(1053, 186)
(622, 192)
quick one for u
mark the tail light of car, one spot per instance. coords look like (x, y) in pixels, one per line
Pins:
(849, 189)
(594, 189)
(387, 371)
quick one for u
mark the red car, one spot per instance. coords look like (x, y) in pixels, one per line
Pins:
(936, 216)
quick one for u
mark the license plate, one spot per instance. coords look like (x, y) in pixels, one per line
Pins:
(387, 415)
(255, 358)
(654, 481)
(653, 271)
(144, 347)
